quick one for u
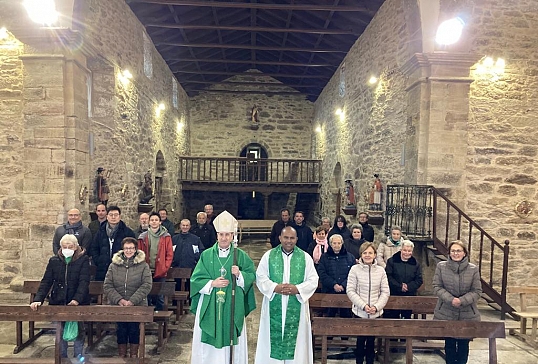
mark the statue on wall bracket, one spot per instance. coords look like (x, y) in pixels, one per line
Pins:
(254, 118)
(102, 185)
(350, 208)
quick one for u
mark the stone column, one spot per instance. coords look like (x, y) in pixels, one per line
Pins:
(56, 158)
(438, 88)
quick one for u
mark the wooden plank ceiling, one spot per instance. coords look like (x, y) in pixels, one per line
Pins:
(300, 43)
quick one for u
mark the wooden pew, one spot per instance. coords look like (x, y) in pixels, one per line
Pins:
(255, 227)
(408, 329)
(31, 287)
(162, 318)
(526, 313)
(182, 296)
(94, 313)
(419, 305)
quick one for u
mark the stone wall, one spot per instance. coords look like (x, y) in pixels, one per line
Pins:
(65, 112)
(502, 152)
(221, 122)
(370, 135)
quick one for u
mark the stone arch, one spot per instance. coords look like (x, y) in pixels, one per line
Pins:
(254, 141)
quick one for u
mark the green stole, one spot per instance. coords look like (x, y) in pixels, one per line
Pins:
(215, 331)
(283, 341)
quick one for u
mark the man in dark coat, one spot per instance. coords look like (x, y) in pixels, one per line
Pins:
(169, 225)
(304, 234)
(278, 226)
(74, 227)
(108, 241)
(100, 211)
(367, 230)
(188, 247)
(206, 232)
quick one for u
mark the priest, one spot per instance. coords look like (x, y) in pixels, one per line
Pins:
(287, 279)
(211, 293)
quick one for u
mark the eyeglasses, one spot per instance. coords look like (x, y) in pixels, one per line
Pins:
(114, 215)
(133, 248)
(458, 251)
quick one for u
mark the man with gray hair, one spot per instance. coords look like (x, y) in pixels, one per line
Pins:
(143, 219)
(203, 230)
(73, 227)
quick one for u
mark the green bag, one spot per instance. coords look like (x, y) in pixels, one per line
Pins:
(70, 331)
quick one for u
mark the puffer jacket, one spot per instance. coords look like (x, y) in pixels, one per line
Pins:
(68, 281)
(399, 272)
(334, 269)
(386, 250)
(367, 284)
(128, 279)
(457, 279)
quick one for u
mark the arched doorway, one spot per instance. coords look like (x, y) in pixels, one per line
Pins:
(251, 205)
(254, 168)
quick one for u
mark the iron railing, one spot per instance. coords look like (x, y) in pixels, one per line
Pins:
(425, 213)
(241, 169)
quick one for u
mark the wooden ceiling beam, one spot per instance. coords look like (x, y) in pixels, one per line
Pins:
(264, 6)
(230, 83)
(252, 29)
(248, 46)
(172, 60)
(257, 92)
(283, 75)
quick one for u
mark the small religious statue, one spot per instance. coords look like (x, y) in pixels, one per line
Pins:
(254, 115)
(102, 185)
(375, 194)
(147, 189)
(350, 193)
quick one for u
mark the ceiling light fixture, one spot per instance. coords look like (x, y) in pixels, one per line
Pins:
(41, 11)
(449, 32)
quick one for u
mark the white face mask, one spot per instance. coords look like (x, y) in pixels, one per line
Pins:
(68, 253)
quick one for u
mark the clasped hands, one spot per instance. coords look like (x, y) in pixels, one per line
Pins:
(223, 282)
(370, 309)
(124, 302)
(456, 302)
(286, 289)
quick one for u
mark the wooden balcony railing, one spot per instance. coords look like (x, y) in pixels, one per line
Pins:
(247, 170)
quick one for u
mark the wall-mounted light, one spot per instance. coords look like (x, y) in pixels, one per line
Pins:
(41, 11)
(161, 107)
(125, 77)
(3, 33)
(318, 129)
(449, 32)
(373, 80)
(179, 126)
(490, 68)
(339, 112)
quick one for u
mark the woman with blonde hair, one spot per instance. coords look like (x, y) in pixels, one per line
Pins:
(368, 290)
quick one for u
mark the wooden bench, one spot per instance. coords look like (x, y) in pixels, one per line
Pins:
(408, 329)
(255, 227)
(182, 296)
(31, 287)
(526, 313)
(94, 313)
(418, 305)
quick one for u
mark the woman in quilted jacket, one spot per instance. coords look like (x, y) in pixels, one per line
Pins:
(457, 284)
(368, 290)
(127, 283)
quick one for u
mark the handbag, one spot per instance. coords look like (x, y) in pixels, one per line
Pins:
(70, 331)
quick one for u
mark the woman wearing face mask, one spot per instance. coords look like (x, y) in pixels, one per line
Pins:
(68, 274)
(457, 284)
(128, 283)
(391, 247)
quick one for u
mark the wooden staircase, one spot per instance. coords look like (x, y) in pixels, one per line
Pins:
(429, 208)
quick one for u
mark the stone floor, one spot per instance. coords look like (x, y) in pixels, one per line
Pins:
(510, 350)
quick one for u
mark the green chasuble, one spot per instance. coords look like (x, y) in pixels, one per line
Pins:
(283, 341)
(214, 316)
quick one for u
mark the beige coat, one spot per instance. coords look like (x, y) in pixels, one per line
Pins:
(367, 285)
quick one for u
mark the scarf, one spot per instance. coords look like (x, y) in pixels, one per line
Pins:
(284, 339)
(320, 248)
(153, 242)
(111, 230)
(72, 229)
(395, 242)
